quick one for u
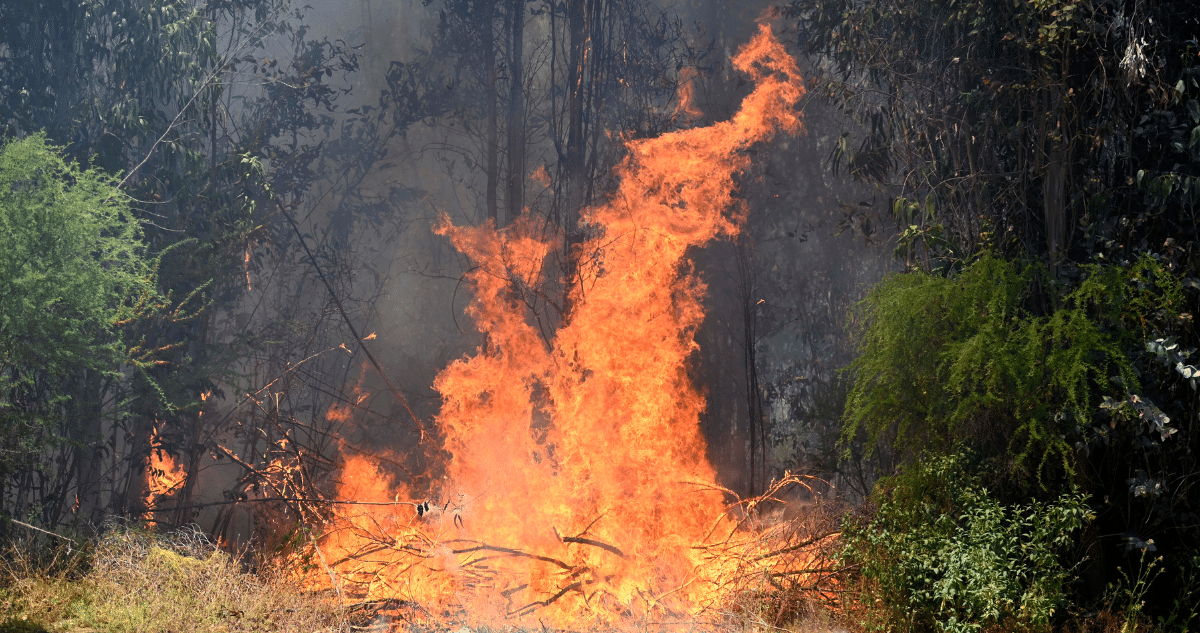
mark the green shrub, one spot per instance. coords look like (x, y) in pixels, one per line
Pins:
(948, 361)
(941, 553)
(73, 269)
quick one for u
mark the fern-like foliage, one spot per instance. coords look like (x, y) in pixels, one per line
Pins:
(966, 360)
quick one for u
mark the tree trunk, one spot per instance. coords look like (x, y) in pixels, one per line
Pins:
(88, 433)
(576, 146)
(1054, 179)
(516, 113)
(492, 164)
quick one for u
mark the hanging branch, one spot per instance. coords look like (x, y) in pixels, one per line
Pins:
(345, 317)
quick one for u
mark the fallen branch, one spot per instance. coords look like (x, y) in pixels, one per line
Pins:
(38, 529)
(513, 552)
(525, 610)
(337, 586)
(594, 543)
(331, 502)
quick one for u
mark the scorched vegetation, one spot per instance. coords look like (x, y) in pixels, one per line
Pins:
(599, 314)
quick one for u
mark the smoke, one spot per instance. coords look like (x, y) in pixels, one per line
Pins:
(776, 295)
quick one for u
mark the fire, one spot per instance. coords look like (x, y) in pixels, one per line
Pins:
(164, 476)
(687, 108)
(343, 411)
(578, 483)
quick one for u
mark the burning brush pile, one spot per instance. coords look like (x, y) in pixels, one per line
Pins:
(577, 491)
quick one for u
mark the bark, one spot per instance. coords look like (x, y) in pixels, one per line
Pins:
(576, 146)
(516, 113)
(492, 165)
(1054, 179)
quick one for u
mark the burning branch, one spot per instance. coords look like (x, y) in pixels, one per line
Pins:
(513, 552)
(593, 543)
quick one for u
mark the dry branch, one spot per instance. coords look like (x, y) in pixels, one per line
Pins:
(594, 543)
(527, 609)
(799, 546)
(513, 552)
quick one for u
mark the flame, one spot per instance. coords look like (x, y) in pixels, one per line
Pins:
(687, 108)
(164, 476)
(578, 482)
(343, 410)
(541, 176)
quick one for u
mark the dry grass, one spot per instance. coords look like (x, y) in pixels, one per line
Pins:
(133, 581)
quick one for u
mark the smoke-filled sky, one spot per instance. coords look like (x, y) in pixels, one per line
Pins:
(776, 298)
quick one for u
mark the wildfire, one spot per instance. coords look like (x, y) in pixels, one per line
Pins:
(578, 482)
(686, 107)
(164, 476)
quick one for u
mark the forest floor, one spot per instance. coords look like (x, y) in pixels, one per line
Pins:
(132, 581)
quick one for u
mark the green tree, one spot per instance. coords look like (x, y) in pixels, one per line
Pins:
(73, 272)
(944, 554)
(184, 105)
(1037, 128)
(1063, 139)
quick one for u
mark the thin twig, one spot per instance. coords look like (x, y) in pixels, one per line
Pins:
(332, 579)
(514, 552)
(38, 529)
(346, 317)
(548, 601)
(798, 546)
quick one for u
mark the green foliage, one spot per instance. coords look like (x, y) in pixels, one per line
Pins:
(942, 553)
(1063, 137)
(72, 271)
(963, 359)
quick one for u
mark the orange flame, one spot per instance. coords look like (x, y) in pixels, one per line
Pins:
(578, 482)
(164, 476)
(687, 108)
(342, 411)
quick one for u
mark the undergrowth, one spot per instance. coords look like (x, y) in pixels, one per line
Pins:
(942, 554)
(130, 580)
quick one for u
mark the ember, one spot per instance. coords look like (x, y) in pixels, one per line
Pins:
(578, 485)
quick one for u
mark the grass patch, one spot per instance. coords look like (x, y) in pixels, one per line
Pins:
(134, 581)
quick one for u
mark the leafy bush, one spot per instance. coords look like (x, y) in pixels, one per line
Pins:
(941, 553)
(73, 269)
(970, 358)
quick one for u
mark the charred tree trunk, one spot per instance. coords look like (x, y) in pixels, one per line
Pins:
(130, 499)
(576, 175)
(516, 113)
(1055, 143)
(492, 165)
(88, 429)
(747, 291)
